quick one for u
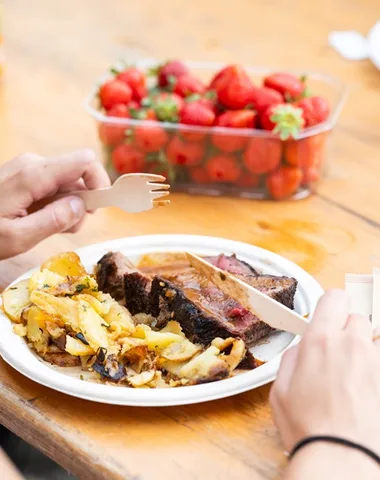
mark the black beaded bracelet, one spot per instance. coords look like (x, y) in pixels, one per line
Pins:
(332, 439)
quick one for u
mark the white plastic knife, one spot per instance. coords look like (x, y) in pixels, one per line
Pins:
(265, 308)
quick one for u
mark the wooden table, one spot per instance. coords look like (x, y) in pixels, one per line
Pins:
(54, 52)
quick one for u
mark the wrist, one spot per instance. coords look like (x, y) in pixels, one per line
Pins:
(325, 460)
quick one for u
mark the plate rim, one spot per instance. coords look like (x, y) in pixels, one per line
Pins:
(184, 395)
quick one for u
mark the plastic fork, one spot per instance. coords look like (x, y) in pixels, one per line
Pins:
(134, 192)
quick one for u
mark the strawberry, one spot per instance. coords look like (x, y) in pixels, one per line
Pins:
(310, 175)
(233, 87)
(196, 114)
(284, 119)
(208, 99)
(135, 79)
(247, 180)
(113, 93)
(290, 86)
(314, 110)
(184, 153)
(219, 77)
(188, 84)
(133, 105)
(306, 152)
(223, 168)
(199, 175)
(128, 159)
(166, 72)
(150, 138)
(284, 182)
(167, 106)
(262, 97)
(113, 134)
(233, 119)
(143, 113)
(262, 155)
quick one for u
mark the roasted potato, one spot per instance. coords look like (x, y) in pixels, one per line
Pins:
(65, 264)
(63, 308)
(44, 279)
(208, 366)
(77, 348)
(141, 379)
(36, 328)
(180, 351)
(15, 299)
(92, 325)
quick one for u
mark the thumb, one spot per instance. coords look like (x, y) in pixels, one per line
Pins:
(56, 217)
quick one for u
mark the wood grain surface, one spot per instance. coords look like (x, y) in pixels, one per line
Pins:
(55, 51)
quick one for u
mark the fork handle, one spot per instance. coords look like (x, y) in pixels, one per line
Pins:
(93, 199)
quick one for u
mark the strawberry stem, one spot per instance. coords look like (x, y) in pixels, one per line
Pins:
(288, 120)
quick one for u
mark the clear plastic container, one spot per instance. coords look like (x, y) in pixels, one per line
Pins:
(218, 160)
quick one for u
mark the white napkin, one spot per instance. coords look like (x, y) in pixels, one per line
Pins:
(364, 295)
(353, 45)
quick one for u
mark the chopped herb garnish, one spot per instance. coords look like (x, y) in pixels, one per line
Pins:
(95, 289)
(82, 338)
(105, 325)
(81, 377)
(46, 285)
(80, 287)
(13, 288)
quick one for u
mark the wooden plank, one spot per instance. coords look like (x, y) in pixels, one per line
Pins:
(54, 54)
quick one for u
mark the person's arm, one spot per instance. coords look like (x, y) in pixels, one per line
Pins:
(326, 461)
(329, 384)
(7, 470)
(29, 179)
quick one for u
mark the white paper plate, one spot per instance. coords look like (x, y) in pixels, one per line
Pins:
(16, 353)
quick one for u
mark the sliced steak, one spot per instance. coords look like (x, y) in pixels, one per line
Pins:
(232, 264)
(137, 287)
(110, 271)
(205, 312)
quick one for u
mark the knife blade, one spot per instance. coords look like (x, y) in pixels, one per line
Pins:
(265, 308)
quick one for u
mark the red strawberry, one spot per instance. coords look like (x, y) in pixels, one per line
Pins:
(135, 79)
(263, 97)
(284, 119)
(305, 152)
(286, 83)
(284, 182)
(199, 175)
(223, 168)
(112, 134)
(188, 84)
(262, 155)
(315, 110)
(233, 119)
(150, 138)
(167, 106)
(133, 105)
(311, 175)
(233, 87)
(128, 159)
(183, 153)
(208, 99)
(113, 93)
(219, 77)
(173, 68)
(196, 114)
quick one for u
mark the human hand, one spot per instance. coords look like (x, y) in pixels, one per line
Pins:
(30, 178)
(330, 383)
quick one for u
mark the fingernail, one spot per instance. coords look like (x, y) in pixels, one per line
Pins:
(77, 206)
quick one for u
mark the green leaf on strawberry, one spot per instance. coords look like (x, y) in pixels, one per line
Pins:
(288, 121)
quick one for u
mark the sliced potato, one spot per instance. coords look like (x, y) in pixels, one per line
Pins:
(207, 366)
(65, 264)
(77, 348)
(15, 299)
(121, 316)
(61, 307)
(74, 285)
(54, 330)
(20, 330)
(158, 341)
(141, 379)
(127, 343)
(173, 327)
(44, 279)
(36, 328)
(98, 306)
(180, 351)
(92, 326)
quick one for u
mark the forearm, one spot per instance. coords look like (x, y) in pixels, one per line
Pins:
(322, 460)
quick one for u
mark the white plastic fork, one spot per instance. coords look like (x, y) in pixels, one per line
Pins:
(133, 192)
